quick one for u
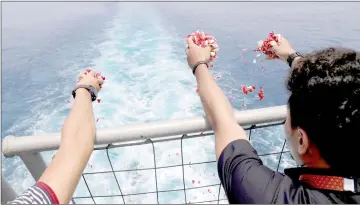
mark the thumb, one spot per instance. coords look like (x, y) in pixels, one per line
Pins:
(190, 41)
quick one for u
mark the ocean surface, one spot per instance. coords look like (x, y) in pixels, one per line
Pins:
(139, 47)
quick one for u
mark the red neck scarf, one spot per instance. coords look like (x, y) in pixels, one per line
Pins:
(324, 182)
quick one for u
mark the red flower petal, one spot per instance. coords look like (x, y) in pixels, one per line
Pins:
(99, 100)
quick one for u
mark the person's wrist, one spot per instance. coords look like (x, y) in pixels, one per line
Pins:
(201, 68)
(82, 92)
(287, 54)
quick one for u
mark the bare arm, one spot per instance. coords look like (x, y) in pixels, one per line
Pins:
(219, 110)
(217, 107)
(77, 143)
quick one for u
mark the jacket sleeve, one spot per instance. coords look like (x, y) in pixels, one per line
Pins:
(244, 177)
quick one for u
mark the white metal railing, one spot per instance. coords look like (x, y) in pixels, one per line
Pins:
(29, 147)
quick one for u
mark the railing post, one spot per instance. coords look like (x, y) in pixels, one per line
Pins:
(7, 192)
(34, 163)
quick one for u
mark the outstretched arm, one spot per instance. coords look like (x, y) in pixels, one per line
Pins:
(59, 181)
(217, 107)
(77, 143)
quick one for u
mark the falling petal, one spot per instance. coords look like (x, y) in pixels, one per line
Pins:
(193, 181)
(97, 120)
(244, 49)
(254, 61)
(258, 55)
(99, 100)
(177, 154)
(68, 101)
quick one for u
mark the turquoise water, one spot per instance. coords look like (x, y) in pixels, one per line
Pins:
(139, 47)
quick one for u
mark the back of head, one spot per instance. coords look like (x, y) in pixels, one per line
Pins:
(325, 102)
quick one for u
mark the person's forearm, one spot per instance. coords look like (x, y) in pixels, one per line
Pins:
(80, 123)
(215, 103)
(218, 110)
(77, 143)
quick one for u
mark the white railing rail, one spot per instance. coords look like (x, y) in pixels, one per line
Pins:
(28, 147)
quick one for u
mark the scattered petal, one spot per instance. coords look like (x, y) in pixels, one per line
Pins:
(254, 61)
(198, 182)
(193, 181)
(68, 101)
(177, 154)
(97, 120)
(98, 100)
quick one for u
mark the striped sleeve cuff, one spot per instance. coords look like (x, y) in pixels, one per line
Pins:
(40, 193)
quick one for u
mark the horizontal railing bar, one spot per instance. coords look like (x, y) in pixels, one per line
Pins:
(172, 166)
(189, 136)
(17, 145)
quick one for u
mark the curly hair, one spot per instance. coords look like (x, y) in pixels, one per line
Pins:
(325, 102)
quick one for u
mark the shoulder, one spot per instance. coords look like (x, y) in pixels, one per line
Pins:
(243, 175)
(247, 180)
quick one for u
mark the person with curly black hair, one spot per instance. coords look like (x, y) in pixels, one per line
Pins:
(321, 130)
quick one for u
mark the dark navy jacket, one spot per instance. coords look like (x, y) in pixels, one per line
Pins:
(246, 180)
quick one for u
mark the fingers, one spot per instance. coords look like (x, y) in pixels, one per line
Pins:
(92, 73)
(81, 76)
(100, 80)
(190, 42)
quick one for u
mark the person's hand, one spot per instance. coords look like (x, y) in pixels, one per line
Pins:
(282, 49)
(91, 79)
(196, 53)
